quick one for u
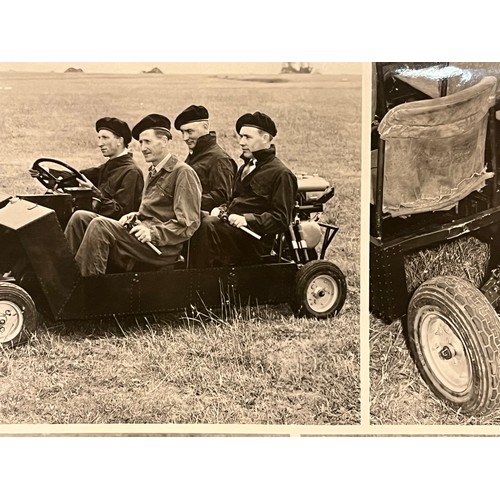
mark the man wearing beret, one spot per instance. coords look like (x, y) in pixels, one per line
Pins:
(262, 200)
(215, 168)
(117, 184)
(169, 213)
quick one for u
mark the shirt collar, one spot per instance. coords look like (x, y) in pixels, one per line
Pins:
(123, 153)
(162, 163)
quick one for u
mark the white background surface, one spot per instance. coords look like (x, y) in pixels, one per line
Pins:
(236, 468)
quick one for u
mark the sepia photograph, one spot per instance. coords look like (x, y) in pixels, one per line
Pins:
(434, 244)
(205, 249)
(180, 243)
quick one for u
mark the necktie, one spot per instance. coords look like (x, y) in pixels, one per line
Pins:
(250, 166)
(151, 171)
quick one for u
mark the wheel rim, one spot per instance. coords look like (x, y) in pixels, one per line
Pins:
(11, 320)
(322, 293)
(445, 353)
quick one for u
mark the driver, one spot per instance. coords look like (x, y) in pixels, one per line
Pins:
(117, 184)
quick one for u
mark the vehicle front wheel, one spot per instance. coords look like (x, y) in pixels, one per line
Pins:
(18, 314)
(454, 336)
(320, 290)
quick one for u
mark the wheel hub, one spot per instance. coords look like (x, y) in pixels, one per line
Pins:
(445, 352)
(11, 320)
(322, 293)
(319, 293)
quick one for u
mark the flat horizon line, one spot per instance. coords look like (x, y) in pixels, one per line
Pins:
(176, 73)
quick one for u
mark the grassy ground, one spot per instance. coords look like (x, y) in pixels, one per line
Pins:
(397, 393)
(258, 366)
(267, 369)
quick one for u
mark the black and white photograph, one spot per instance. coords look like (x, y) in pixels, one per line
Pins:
(434, 244)
(180, 243)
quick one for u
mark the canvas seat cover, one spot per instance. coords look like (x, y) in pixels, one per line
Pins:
(435, 150)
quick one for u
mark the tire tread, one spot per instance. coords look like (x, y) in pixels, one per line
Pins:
(466, 297)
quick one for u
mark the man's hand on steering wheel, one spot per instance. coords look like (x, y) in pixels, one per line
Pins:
(86, 183)
(51, 181)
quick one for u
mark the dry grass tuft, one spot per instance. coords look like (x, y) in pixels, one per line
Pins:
(465, 257)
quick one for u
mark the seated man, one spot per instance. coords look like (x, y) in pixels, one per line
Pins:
(168, 215)
(263, 199)
(118, 183)
(215, 168)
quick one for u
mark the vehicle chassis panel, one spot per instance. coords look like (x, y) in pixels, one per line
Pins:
(174, 290)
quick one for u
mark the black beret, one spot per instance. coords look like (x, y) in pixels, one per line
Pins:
(153, 121)
(257, 120)
(118, 127)
(192, 113)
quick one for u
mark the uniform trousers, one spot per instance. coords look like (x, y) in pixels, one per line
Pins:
(97, 241)
(216, 243)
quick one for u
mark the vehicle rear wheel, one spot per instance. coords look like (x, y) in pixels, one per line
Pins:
(18, 315)
(320, 290)
(454, 336)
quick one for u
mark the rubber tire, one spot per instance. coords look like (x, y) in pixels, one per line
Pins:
(17, 295)
(464, 307)
(303, 278)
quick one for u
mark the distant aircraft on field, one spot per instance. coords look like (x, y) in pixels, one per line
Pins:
(293, 67)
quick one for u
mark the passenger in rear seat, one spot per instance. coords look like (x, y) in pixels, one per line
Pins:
(215, 168)
(262, 200)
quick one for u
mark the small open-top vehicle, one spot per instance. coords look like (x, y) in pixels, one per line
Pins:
(40, 274)
(435, 180)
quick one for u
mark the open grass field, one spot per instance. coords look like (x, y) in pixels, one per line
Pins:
(257, 366)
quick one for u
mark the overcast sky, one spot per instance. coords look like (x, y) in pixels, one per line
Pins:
(178, 67)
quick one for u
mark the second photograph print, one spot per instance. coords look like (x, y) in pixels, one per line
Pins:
(435, 244)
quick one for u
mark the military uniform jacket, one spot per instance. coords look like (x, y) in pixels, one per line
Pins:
(170, 205)
(119, 183)
(216, 170)
(266, 196)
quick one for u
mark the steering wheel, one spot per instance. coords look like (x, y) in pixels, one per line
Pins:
(54, 181)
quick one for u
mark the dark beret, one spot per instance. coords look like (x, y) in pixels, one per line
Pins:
(192, 113)
(118, 127)
(257, 120)
(153, 121)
